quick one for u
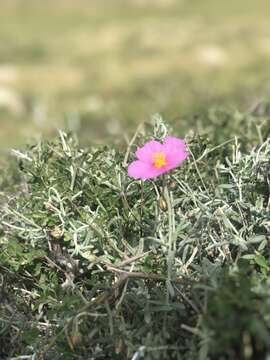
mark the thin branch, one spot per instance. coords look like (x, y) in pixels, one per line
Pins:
(130, 145)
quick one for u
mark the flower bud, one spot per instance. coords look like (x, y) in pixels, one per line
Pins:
(162, 203)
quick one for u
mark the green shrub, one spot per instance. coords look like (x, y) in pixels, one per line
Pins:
(87, 267)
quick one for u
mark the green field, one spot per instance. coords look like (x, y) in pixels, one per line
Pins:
(100, 67)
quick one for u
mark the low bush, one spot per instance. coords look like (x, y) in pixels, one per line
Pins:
(96, 265)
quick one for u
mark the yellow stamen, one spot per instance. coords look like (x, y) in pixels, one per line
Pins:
(159, 160)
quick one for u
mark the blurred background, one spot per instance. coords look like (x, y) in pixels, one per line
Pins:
(99, 67)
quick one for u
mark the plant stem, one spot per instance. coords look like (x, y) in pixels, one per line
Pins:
(171, 241)
(141, 210)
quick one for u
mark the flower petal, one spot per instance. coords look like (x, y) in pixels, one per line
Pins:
(174, 144)
(141, 170)
(146, 152)
(176, 151)
(175, 159)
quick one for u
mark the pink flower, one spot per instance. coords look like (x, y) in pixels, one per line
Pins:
(155, 158)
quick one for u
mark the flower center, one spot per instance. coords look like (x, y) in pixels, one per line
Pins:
(159, 160)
